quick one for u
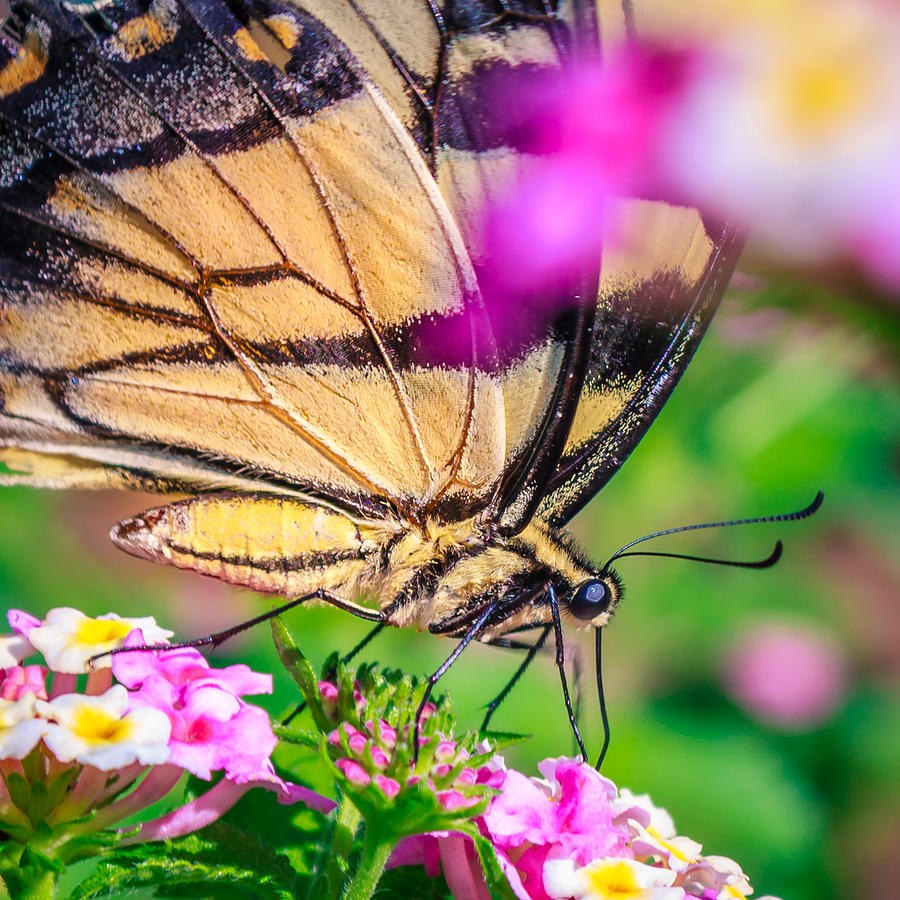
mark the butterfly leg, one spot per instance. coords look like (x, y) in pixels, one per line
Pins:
(474, 630)
(561, 665)
(219, 638)
(533, 651)
(215, 640)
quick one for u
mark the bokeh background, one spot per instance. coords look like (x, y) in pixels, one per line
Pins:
(761, 708)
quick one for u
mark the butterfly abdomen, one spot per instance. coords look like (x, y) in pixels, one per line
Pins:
(276, 545)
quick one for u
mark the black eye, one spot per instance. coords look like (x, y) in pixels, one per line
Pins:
(591, 599)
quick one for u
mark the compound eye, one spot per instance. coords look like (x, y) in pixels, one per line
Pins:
(591, 599)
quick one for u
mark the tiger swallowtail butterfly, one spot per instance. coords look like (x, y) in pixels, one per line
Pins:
(234, 232)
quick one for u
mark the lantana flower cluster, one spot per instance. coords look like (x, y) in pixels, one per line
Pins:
(573, 835)
(87, 741)
(371, 759)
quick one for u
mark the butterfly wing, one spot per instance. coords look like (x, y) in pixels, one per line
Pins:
(214, 261)
(239, 244)
(662, 280)
(440, 66)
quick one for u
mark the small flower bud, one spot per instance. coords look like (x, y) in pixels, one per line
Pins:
(389, 786)
(353, 771)
(380, 759)
(357, 742)
(446, 751)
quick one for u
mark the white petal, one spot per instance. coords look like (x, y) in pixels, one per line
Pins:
(69, 639)
(13, 649)
(562, 879)
(19, 740)
(144, 740)
(20, 729)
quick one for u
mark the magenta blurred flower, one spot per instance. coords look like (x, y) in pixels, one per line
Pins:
(782, 117)
(789, 675)
(590, 133)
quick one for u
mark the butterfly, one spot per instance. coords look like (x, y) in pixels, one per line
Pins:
(234, 233)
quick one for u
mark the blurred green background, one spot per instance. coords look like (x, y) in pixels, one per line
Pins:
(794, 389)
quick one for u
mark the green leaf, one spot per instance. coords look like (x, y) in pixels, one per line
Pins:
(19, 791)
(494, 877)
(221, 860)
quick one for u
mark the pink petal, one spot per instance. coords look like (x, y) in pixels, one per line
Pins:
(521, 813)
(418, 850)
(21, 680)
(215, 803)
(462, 870)
(22, 622)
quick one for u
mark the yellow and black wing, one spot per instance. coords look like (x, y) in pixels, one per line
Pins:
(664, 270)
(658, 291)
(241, 251)
(225, 251)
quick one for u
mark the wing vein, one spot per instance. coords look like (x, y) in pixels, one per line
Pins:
(352, 269)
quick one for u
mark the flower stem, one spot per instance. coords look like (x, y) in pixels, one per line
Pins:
(375, 855)
(336, 871)
(41, 887)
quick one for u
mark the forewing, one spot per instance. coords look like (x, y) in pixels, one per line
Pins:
(216, 257)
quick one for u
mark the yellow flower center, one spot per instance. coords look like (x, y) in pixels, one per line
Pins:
(733, 892)
(817, 98)
(102, 631)
(614, 880)
(97, 726)
(6, 720)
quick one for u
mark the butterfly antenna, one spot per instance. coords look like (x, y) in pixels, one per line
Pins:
(784, 517)
(598, 634)
(766, 563)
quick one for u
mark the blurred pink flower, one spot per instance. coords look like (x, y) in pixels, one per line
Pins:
(791, 676)
(589, 132)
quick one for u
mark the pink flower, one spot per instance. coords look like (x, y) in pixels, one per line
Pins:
(567, 815)
(789, 675)
(184, 666)
(21, 680)
(211, 727)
